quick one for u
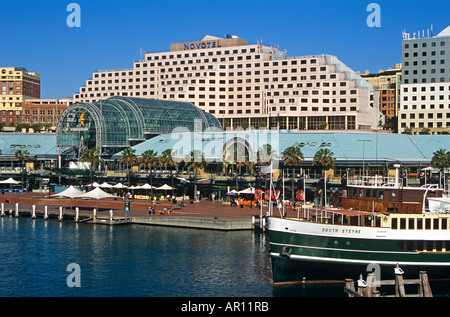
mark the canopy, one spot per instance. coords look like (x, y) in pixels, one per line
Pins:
(9, 181)
(164, 187)
(105, 185)
(249, 190)
(119, 185)
(70, 192)
(95, 184)
(233, 192)
(146, 186)
(96, 193)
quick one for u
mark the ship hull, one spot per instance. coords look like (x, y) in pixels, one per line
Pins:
(311, 252)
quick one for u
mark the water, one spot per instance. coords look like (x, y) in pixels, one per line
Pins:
(141, 261)
(125, 261)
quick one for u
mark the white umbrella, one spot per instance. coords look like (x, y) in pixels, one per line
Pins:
(249, 190)
(95, 184)
(120, 185)
(146, 186)
(105, 185)
(96, 193)
(164, 187)
(9, 181)
(233, 192)
(70, 192)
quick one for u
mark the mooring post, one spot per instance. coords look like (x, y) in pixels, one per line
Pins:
(17, 210)
(33, 212)
(425, 285)
(77, 210)
(45, 213)
(371, 284)
(3, 209)
(60, 217)
(94, 214)
(110, 216)
(350, 286)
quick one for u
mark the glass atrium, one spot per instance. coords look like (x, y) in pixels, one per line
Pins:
(117, 123)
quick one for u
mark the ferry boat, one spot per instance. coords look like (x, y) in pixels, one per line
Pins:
(376, 225)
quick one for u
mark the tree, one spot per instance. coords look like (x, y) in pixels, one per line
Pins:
(441, 160)
(167, 160)
(324, 158)
(292, 156)
(91, 156)
(21, 156)
(148, 160)
(196, 161)
(129, 159)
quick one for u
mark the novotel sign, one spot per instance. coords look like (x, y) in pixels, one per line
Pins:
(200, 45)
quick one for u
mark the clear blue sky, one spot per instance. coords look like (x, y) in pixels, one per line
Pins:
(35, 34)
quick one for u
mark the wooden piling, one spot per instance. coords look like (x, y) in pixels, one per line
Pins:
(425, 285)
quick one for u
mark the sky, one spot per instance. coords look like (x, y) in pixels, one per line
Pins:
(113, 32)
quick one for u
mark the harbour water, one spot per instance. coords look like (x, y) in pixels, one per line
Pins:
(36, 257)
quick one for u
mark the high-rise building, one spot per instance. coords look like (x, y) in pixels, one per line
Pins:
(17, 85)
(425, 89)
(245, 84)
(387, 82)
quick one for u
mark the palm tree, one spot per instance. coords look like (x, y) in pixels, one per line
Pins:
(149, 160)
(292, 156)
(22, 156)
(196, 161)
(128, 158)
(91, 156)
(325, 159)
(167, 160)
(441, 160)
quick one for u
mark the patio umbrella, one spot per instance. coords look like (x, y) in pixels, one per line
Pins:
(105, 185)
(97, 194)
(70, 192)
(9, 181)
(164, 187)
(94, 184)
(120, 185)
(146, 186)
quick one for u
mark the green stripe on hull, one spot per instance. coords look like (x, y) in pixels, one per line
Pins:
(351, 249)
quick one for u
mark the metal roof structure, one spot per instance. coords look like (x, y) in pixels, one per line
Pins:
(120, 122)
(348, 148)
(39, 145)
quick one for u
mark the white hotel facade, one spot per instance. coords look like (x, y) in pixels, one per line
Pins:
(247, 84)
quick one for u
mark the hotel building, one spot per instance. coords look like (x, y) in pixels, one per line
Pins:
(425, 89)
(17, 85)
(246, 85)
(387, 83)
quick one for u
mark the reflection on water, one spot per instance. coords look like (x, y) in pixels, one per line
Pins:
(134, 260)
(130, 260)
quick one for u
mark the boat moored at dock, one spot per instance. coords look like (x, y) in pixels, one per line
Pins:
(374, 227)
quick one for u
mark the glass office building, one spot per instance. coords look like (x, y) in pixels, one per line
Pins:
(117, 123)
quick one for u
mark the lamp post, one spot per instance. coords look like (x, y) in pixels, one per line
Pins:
(364, 143)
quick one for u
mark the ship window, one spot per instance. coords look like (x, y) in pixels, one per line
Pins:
(419, 223)
(368, 193)
(411, 223)
(436, 224)
(380, 194)
(394, 223)
(374, 193)
(427, 224)
(444, 223)
(402, 223)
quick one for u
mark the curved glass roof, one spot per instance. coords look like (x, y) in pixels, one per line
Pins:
(120, 122)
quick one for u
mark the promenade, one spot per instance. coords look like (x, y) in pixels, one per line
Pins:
(203, 214)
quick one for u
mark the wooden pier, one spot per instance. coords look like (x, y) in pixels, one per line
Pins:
(369, 288)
